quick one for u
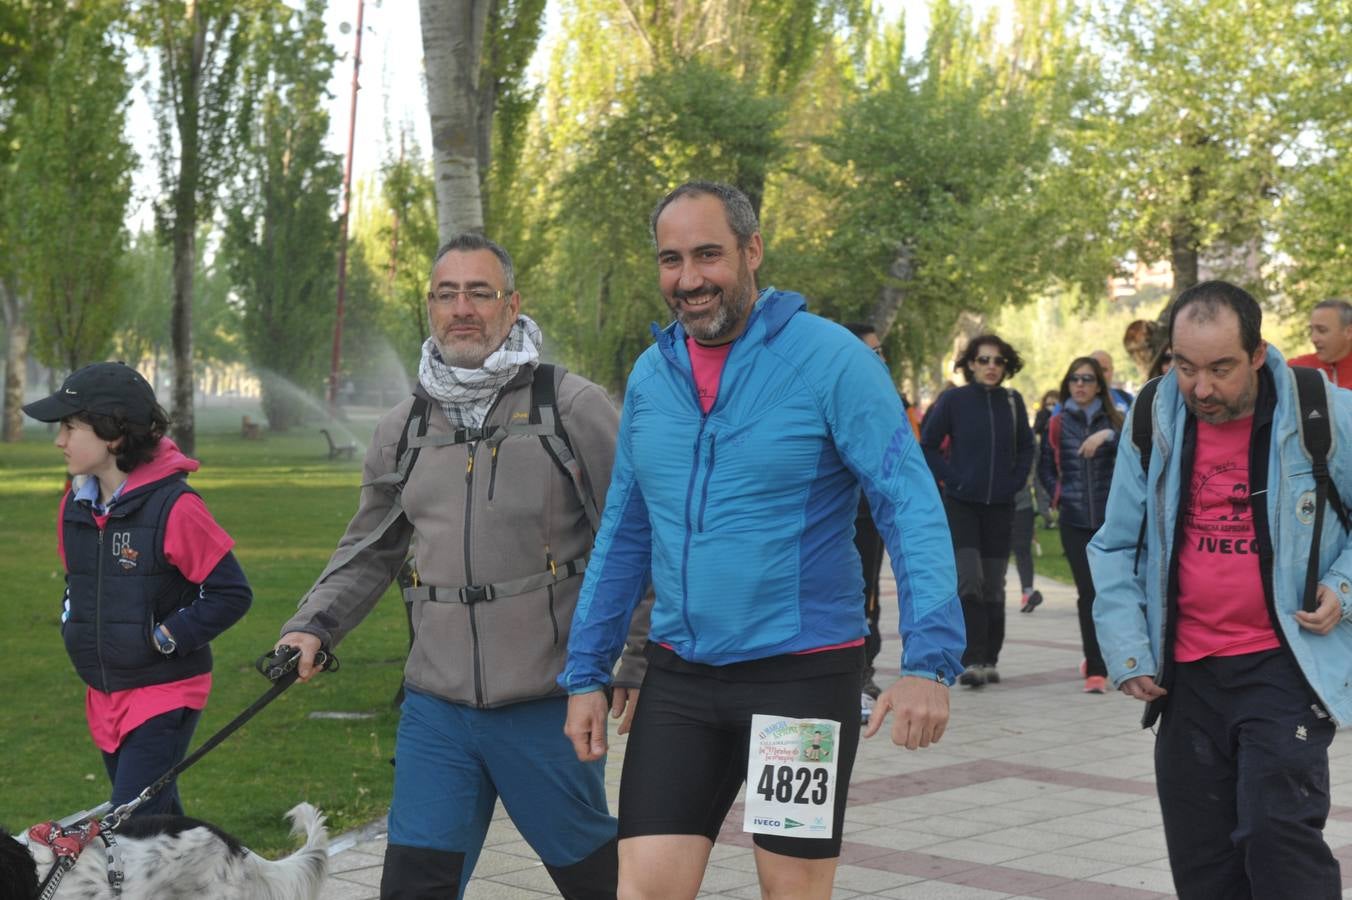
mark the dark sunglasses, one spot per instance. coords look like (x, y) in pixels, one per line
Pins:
(990, 360)
(1082, 378)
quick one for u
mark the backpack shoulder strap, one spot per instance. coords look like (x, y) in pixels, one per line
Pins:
(1142, 421)
(1316, 432)
(544, 410)
(1142, 426)
(1316, 436)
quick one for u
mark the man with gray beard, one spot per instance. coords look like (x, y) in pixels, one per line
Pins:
(473, 465)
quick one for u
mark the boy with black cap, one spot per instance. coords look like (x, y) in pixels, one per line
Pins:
(150, 578)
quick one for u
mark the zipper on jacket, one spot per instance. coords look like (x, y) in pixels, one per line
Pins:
(469, 574)
(98, 615)
(689, 532)
(708, 474)
(990, 479)
(470, 447)
(689, 376)
(493, 472)
(1089, 476)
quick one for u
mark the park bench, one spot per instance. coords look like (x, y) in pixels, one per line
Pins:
(338, 451)
(250, 430)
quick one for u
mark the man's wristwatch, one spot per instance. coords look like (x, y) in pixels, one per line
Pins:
(163, 642)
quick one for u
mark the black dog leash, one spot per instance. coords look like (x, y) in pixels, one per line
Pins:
(69, 837)
(279, 667)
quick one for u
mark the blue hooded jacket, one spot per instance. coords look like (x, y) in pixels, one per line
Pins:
(745, 516)
(1130, 610)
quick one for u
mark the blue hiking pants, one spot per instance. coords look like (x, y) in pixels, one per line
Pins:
(452, 762)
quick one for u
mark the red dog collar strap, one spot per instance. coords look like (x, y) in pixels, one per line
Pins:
(64, 843)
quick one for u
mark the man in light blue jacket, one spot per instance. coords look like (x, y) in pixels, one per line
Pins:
(748, 430)
(1199, 608)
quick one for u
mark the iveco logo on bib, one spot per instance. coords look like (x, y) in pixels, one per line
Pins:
(769, 823)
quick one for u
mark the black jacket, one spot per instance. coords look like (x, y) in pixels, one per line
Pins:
(1078, 486)
(120, 587)
(990, 446)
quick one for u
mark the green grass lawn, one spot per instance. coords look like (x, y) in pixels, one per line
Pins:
(286, 505)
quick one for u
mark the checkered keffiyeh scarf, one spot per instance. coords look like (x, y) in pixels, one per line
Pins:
(466, 395)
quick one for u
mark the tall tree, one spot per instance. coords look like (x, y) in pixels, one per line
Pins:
(69, 183)
(475, 53)
(281, 231)
(199, 106)
(27, 31)
(938, 193)
(1197, 125)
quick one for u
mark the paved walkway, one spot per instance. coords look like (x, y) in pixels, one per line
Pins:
(1036, 791)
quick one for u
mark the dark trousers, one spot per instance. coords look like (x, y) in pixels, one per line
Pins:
(1242, 770)
(1021, 544)
(1074, 541)
(153, 748)
(869, 543)
(981, 533)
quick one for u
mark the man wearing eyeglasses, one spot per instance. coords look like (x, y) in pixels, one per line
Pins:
(503, 534)
(978, 444)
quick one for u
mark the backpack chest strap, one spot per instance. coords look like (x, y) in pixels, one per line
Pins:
(483, 593)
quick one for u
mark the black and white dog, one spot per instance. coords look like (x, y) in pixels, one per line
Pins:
(176, 858)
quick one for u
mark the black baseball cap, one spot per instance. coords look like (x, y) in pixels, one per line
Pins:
(106, 389)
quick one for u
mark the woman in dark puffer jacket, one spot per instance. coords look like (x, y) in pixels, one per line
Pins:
(1076, 468)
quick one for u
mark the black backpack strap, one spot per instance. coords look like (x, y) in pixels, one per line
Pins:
(1142, 426)
(544, 411)
(1316, 436)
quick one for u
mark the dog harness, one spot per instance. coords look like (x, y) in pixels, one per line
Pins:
(67, 844)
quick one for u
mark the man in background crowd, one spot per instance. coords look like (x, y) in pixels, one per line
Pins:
(1331, 334)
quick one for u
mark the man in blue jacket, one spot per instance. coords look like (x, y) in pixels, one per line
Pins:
(748, 430)
(1199, 607)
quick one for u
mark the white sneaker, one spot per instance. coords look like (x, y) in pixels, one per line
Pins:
(865, 708)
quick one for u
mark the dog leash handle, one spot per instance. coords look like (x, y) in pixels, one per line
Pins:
(282, 660)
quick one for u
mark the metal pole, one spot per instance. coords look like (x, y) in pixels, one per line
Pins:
(337, 358)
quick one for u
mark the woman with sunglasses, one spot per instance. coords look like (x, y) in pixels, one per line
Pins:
(1076, 468)
(989, 456)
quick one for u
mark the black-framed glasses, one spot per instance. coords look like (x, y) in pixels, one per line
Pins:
(991, 361)
(479, 296)
(1082, 378)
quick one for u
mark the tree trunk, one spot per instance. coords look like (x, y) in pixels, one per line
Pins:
(1183, 257)
(453, 37)
(185, 236)
(16, 362)
(893, 294)
(185, 261)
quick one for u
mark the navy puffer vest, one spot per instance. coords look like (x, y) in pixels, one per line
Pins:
(120, 587)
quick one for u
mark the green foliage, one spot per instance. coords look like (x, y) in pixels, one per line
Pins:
(951, 166)
(142, 326)
(200, 104)
(68, 186)
(594, 290)
(514, 28)
(285, 505)
(403, 249)
(280, 235)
